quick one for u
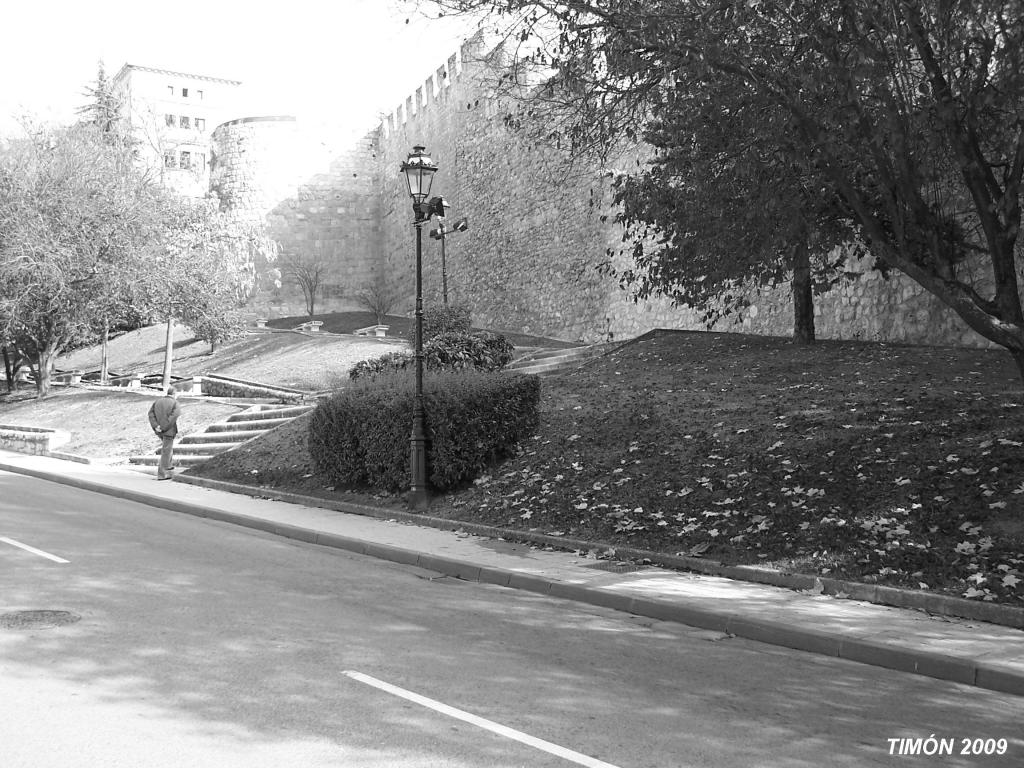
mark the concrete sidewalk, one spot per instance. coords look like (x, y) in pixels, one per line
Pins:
(965, 651)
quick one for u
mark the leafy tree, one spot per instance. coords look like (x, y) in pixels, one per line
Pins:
(911, 109)
(717, 210)
(73, 209)
(124, 308)
(87, 242)
(203, 268)
(106, 113)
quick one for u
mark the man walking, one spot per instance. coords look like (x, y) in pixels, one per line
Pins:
(163, 418)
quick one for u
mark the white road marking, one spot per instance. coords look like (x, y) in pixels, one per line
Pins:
(501, 730)
(33, 550)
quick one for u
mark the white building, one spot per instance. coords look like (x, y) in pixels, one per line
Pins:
(172, 116)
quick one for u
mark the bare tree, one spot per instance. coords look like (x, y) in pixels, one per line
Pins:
(204, 267)
(378, 300)
(307, 270)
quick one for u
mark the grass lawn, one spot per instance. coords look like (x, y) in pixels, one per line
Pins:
(301, 361)
(881, 463)
(104, 425)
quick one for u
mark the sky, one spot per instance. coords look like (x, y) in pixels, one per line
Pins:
(333, 63)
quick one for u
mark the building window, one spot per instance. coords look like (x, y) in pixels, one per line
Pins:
(185, 121)
(184, 92)
(169, 160)
(199, 95)
(169, 119)
(186, 160)
(170, 88)
(201, 162)
(200, 124)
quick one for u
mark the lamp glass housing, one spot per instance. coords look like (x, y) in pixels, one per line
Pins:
(419, 172)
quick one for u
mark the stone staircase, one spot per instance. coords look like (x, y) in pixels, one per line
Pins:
(546, 361)
(224, 435)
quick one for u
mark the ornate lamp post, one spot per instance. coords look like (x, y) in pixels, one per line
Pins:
(441, 233)
(419, 171)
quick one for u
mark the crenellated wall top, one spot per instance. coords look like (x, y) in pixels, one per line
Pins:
(472, 51)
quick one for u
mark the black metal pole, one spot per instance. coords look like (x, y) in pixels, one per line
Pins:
(418, 457)
(444, 267)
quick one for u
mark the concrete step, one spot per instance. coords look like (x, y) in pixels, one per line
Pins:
(548, 353)
(547, 368)
(233, 436)
(248, 425)
(225, 435)
(265, 414)
(544, 372)
(553, 361)
(179, 461)
(562, 360)
(202, 449)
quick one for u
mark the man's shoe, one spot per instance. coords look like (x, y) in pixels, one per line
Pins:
(168, 477)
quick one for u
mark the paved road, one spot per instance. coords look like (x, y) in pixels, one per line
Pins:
(202, 644)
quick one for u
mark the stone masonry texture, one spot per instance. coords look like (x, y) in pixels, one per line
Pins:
(537, 227)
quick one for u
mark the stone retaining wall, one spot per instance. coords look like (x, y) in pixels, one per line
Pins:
(37, 441)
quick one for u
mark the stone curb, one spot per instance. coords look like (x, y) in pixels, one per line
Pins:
(916, 661)
(940, 605)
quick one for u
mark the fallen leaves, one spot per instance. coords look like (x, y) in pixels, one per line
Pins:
(748, 450)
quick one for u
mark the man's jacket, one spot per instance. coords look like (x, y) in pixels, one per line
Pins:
(163, 416)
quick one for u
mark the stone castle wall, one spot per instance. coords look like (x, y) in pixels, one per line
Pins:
(526, 261)
(535, 233)
(536, 228)
(315, 203)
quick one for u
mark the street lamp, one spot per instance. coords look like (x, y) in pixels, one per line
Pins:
(419, 171)
(441, 233)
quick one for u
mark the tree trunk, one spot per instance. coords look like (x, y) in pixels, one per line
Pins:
(103, 355)
(8, 370)
(803, 295)
(43, 366)
(168, 353)
(1018, 358)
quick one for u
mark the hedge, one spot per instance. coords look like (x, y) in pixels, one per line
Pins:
(450, 318)
(482, 350)
(360, 437)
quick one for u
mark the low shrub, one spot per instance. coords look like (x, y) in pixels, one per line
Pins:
(375, 366)
(450, 318)
(355, 424)
(480, 350)
(476, 420)
(359, 438)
